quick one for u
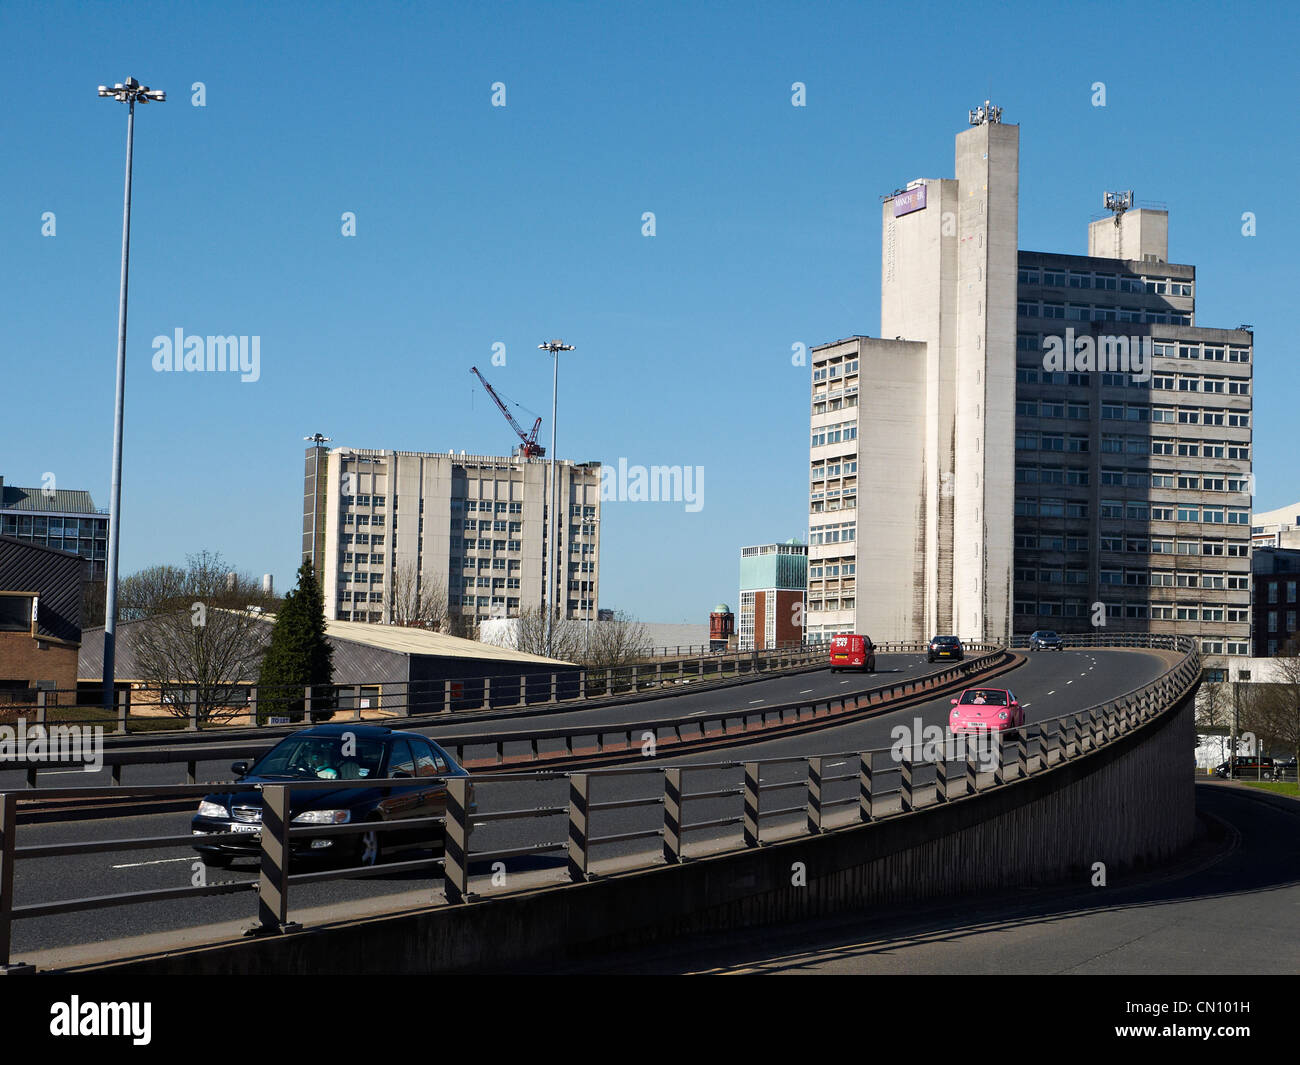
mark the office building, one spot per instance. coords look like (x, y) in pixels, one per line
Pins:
(1277, 528)
(40, 620)
(1275, 592)
(773, 587)
(394, 527)
(1049, 441)
(64, 519)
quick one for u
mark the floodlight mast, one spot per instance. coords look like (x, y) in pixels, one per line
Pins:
(130, 93)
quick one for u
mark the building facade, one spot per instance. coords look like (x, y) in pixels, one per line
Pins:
(1275, 591)
(399, 525)
(63, 519)
(1048, 441)
(40, 619)
(1133, 445)
(773, 595)
(1277, 528)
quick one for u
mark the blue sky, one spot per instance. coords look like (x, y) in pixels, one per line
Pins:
(479, 224)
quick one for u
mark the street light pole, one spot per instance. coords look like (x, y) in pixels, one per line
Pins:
(553, 527)
(128, 93)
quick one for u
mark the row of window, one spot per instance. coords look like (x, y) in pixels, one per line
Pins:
(834, 370)
(378, 502)
(1132, 544)
(834, 434)
(25, 526)
(832, 569)
(818, 605)
(1141, 578)
(833, 534)
(1115, 444)
(1288, 622)
(1082, 312)
(1160, 349)
(834, 468)
(1058, 278)
(1274, 592)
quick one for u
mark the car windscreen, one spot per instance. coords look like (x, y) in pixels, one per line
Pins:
(983, 697)
(327, 757)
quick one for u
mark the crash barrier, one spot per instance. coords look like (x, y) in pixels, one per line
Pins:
(528, 747)
(890, 783)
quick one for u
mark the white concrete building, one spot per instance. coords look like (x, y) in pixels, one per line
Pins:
(474, 525)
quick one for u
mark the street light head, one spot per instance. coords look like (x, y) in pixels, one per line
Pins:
(131, 83)
(118, 86)
(103, 91)
(159, 95)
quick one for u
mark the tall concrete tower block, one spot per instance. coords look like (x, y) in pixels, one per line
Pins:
(948, 280)
(988, 194)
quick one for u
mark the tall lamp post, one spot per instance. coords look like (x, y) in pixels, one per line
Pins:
(130, 93)
(554, 526)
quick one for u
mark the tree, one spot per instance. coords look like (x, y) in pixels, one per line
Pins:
(416, 601)
(1281, 700)
(566, 640)
(299, 655)
(617, 642)
(198, 634)
(1214, 707)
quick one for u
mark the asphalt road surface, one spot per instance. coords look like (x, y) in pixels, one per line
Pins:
(1048, 685)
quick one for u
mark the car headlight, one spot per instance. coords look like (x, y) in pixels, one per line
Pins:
(1002, 715)
(323, 817)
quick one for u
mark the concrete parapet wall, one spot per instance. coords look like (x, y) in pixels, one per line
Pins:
(1128, 804)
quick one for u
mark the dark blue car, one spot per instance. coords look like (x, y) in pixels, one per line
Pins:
(334, 752)
(1046, 640)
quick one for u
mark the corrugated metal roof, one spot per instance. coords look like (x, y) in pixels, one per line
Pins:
(59, 501)
(424, 642)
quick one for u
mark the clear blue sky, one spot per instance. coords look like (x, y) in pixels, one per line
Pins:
(479, 225)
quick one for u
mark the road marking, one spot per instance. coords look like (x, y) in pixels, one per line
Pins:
(805, 691)
(1082, 674)
(1069, 682)
(843, 682)
(1026, 705)
(753, 701)
(1051, 693)
(160, 861)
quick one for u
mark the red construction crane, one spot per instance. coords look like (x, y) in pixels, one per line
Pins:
(530, 448)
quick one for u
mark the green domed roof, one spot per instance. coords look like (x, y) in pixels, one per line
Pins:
(722, 608)
(795, 540)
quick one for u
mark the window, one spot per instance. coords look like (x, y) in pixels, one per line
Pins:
(15, 613)
(400, 759)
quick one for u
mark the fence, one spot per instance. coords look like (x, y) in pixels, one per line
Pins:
(889, 783)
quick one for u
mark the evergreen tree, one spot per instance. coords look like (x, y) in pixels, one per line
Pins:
(299, 654)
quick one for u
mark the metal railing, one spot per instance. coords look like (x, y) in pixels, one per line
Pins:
(180, 707)
(888, 785)
(532, 746)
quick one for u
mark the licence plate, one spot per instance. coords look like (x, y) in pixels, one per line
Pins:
(237, 826)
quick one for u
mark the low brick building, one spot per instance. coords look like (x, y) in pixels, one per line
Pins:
(40, 619)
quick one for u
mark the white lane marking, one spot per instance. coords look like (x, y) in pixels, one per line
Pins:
(753, 701)
(160, 861)
(805, 691)
(1026, 705)
(1069, 682)
(1051, 692)
(1081, 674)
(843, 682)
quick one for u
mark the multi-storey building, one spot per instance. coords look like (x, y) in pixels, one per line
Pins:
(1049, 441)
(1133, 438)
(1275, 590)
(910, 505)
(773, 584)
(1277, 528)
(57, 517)
(396, 525)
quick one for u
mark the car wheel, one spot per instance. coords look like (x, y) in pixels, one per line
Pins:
(370, 850)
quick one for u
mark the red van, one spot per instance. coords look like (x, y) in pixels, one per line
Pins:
(852, 652)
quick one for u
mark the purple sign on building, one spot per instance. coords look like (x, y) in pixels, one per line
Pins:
(909, 201)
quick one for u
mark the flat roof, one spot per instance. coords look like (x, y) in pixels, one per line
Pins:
(411, 641)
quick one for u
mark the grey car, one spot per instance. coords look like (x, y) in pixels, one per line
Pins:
(1046, 640)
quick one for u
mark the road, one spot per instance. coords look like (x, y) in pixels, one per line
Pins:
(1048, 685)
(1231, 906)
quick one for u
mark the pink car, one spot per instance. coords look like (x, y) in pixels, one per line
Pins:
(984, 709)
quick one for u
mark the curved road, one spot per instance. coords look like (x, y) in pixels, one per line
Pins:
(1048, 685)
